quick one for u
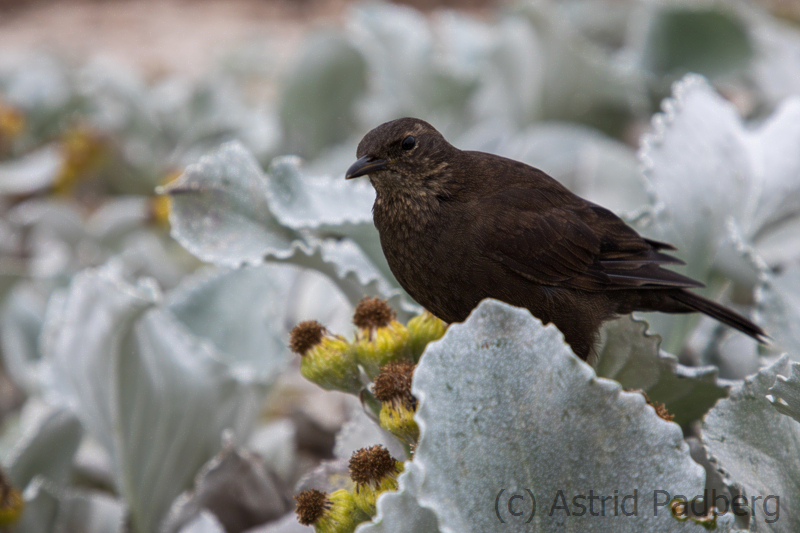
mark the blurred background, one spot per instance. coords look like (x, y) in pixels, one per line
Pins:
(102, 102)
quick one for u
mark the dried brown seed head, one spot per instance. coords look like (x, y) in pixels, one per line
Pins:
(311, 505)
(373, 313)
(394, 382)
(661, 409)
(371, 465)
(305, 336)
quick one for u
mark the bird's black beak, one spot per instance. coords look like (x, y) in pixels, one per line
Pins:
(364, 166)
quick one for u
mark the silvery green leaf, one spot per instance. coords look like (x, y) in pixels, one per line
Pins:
(237, 487)
(776, 67)
(32, 172)
(361, 431)
(688, 391)
(412, 70)
(709, 39)
(509, 65)
(117, 217)
(153, 395)
(153, 255)
(205, 522)
(40, 513)
(632, 357)
(20, 324)
(314, 295)
(345, 264)
(785, 393)
(38, 83)
(778, 300)
(58, 217)
(328, 476)
(90, 512)
(399, 511)
(300, 201)
(717, 184)
(580, 78)
(756, 448)
(328, 205)
(287, 524)
(240, 311)
(628, 354)
(276, 443)
(319, 92)
(92, 465)
(95, 314)
(221, 214)
(220, 211)
(49, 509)
(47, 444)
(504, 404)
(703, 162)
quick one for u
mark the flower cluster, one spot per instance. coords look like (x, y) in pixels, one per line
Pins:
(373, 471)
(378, 363)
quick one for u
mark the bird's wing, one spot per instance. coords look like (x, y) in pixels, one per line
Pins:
(568, 242)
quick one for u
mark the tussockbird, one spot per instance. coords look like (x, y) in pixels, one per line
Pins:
(459, 226)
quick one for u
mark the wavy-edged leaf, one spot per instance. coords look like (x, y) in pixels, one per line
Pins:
(708, 173)
(504, 404)
(709, 39)
(756, 449)
(40, 513)
(580, 81)
(221, 214)
(32, 172)
(631, 356)
(49, 439)
(785, 393)
(237, 487)
(90, 512)
(205, 522)
(361, 431)
(300, 201)
(319, 92)
(287, 524)
(328, 205)
(241, 312)
(154, 396)
(220, 211)
(778, 300)
(20, 325)
(702, 162)
(399, 511)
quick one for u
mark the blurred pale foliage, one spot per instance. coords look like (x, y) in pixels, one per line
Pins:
(159, 393)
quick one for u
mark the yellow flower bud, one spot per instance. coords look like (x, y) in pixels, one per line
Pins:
(326, 359)
(392, 388)
(380, 339)
(329, 513)
(11, 503)
(374, 471)
(423, 329)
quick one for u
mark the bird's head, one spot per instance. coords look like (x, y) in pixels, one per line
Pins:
(406, 154)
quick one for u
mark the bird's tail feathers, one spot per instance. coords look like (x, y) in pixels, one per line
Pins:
(721, 313)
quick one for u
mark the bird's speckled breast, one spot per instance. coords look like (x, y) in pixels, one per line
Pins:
(419, 246)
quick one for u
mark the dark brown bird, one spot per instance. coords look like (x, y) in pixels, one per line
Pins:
(457, 227)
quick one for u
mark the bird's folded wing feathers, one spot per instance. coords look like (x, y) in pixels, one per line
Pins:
(577, 246)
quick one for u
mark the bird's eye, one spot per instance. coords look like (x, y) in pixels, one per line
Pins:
(409, 143)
